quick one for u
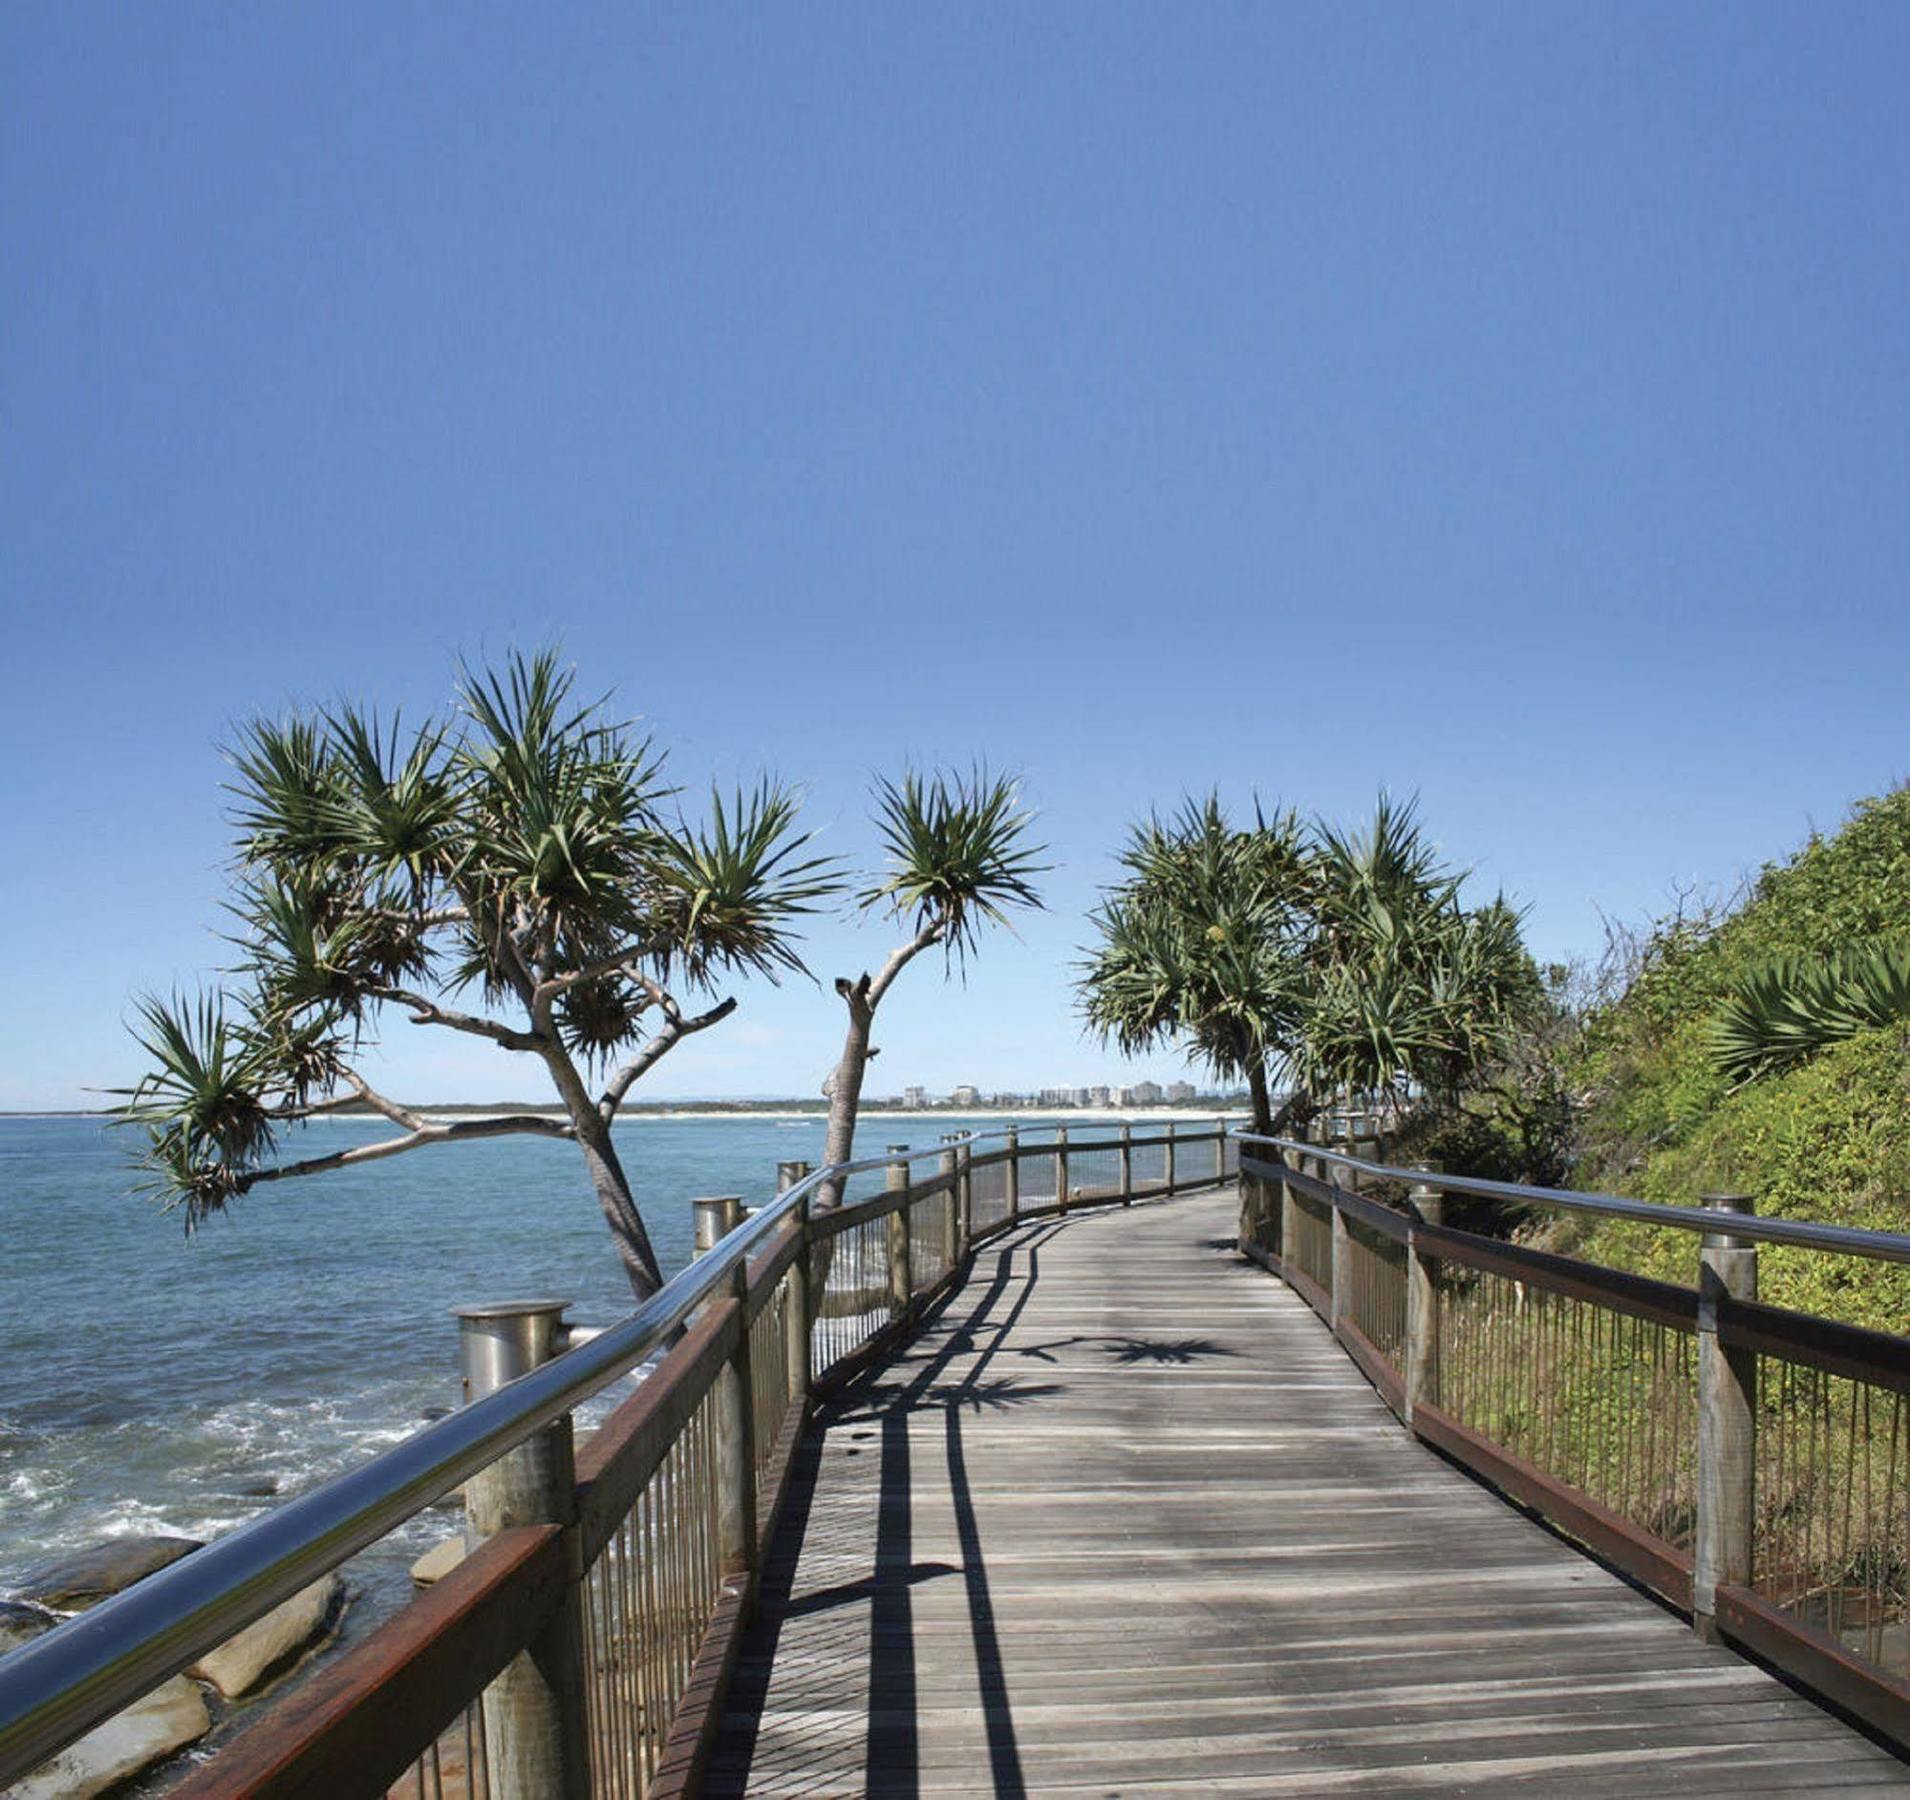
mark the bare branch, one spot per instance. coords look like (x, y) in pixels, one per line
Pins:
(674, 1031)
(512, 1125)
(398, 1115)
(362, 1094)
(431, 1012)
(622, 959)
(901, 956)
(424, 921)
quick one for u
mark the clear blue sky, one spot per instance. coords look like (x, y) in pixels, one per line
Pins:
(1503, 403)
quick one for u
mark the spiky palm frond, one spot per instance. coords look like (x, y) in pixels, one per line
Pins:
(308, 947)
(1784, 1013)
(205, 1103)
(957, 854)
(396, 808)
(598, 1018)
(559, 824)
(730, 892)
(285, 788)
(1382, 892)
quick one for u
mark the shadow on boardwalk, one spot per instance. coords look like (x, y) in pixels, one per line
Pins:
(1124, 1518)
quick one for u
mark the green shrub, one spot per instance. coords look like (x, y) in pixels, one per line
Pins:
(1829, 1141)
(1826, 1137)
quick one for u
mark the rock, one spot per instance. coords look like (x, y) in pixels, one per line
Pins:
(433, 1413)
(172, 1716)
(451, 1502)
(262, 1489)
(438, 1562)
(20, 1623)
(73, 1583)
(238, 1665)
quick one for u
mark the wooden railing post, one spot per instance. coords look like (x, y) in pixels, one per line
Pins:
(1290, 1206)
(965, 1193)
(1727, 1421)
(800, 1305)
(1170, 1156)
(1340, 1296)
(1011, 1170)
(948, 1167)
(901, 1280)
(1422, 1301)
(1127, 1163)
(1061, 1168)
(536, 1736)
(733, 1412)
(1220, 1151)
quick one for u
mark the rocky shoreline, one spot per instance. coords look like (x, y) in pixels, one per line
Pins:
(213, 1697)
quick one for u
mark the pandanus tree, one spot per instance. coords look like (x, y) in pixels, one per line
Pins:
(1403, 985)
(1200, 945)
(956, 860)
(520, 874)
(1341, 962)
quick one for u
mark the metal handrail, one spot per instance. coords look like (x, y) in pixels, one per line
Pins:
(1848, 1240)
(60, 1685)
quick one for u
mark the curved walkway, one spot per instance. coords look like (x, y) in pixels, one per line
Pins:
(1125, 1519)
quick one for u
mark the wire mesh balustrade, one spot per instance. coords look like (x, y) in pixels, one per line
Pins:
(1602, 1400)
(988, 1191)
(648, 1597)
(1832, 1519)
(1376, 1289)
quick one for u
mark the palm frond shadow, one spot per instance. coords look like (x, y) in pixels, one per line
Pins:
(1126, 1350)
(996, 1394)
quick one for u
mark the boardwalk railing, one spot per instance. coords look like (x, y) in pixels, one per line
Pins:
(584, 1644)
(1749, 1464)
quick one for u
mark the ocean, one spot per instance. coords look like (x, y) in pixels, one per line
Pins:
(151, 1383)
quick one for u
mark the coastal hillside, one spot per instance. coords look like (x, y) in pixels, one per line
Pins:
(1820, 1130)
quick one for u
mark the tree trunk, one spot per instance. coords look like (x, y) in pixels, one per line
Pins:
(607, 1179)
(1259, 1099)
(619, 1205)
(845, 1090)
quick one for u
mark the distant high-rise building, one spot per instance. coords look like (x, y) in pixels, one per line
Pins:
(1100, 1096)
(915, 1097)
(1054, 1096)
(1180, 1091)
(965, 1095)
(1144, 1093)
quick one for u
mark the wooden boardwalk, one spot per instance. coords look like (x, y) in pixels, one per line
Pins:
(1125, 1519)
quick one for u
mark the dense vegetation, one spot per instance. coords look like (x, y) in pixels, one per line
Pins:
(1343, 962)
(1818, 1125)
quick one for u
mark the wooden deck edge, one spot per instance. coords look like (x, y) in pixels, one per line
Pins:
(1371, 1362)
(1818, 1662)
(1307, 1288)
(699, 1714)
(1650, 1560)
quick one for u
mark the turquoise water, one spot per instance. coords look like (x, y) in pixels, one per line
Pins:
(148, 1381)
